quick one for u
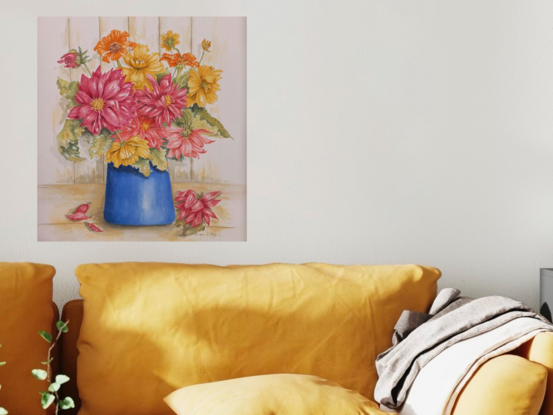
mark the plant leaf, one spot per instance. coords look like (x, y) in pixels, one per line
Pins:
(2, 363)
(158, 158)
(68, 140)
(39, 374)
(68, 90)
(159, 76)
(62, 326)
(204, 115)
(3, 411)
(46, 363)
(143, 166)
(67, 403)
(54, 387)
(100, 144)
(182, 79)
(61, 379)
(46, 336)
(46, 400)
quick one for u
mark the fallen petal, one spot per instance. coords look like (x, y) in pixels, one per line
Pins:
(82, 208)
(93, 227)
(77, 216)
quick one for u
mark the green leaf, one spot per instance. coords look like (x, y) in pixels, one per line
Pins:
(214, 122)
(61, 379)
(47, 399)
(100, 144)
(62, 326)
(159, 158)
(143, 166)
(46, 336)
(159, 76)
(3, 411)
(67, 403)
(68, 140)
(54, 387)
(46, 363)
(182, 79)
(68, 90)
(2, 363)
(39, 374)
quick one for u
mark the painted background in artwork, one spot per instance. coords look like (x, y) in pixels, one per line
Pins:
(63, 185)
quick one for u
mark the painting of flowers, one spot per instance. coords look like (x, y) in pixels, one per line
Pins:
(142, 129)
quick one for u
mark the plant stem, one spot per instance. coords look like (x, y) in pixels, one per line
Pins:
(203, 53)
(87, 69)
(48, 368)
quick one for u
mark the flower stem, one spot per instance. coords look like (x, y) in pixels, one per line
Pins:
(119, 64)
(203, 53)
(87, 69)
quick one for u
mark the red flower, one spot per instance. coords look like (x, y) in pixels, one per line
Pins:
(146, 129)
(195, 209)
(69, 60)
(164, 102)
(104, 100)
(184, 144)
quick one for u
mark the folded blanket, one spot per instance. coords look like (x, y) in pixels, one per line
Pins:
(420, 337)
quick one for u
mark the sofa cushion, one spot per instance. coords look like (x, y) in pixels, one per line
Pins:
(280, 394)
(150, 328)
(25, 309)
(506, 385)
(540, 350)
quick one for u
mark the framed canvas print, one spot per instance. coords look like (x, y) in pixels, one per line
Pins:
(142, 129)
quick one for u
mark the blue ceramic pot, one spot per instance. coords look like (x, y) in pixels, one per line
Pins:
(134, 199)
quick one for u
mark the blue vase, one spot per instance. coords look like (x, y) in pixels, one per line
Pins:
(134, 199)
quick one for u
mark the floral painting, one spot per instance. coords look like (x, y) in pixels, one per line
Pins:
(142, 129)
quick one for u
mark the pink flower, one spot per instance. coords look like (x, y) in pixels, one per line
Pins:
(194, 210)
(146, 129)
(69, 60)
(182, 144)
(104, 100)
(164, 102)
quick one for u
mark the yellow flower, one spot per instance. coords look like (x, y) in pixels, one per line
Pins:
(206, 44)
(170, 40)
(203, 86)
(127, 152)
(141, 63)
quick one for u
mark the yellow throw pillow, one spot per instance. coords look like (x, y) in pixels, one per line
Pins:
(540, 350)
(284, 394)
(151, 328)
(25, 309)
(505, 385)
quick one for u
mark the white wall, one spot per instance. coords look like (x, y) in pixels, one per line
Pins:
(379, 132)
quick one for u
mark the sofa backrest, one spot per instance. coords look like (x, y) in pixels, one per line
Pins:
(150, 328)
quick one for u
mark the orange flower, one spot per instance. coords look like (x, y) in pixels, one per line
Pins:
(206, 44)
(177, 59)
(114, 46)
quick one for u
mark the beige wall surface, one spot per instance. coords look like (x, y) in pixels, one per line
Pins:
(378, 132)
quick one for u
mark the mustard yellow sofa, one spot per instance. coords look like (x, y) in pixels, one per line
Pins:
(145, 330)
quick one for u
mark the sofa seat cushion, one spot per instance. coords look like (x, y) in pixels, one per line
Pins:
(279, 394)
(150, 328)
(25, 309)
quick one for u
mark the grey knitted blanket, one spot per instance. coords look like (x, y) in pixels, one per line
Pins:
(419, 337)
